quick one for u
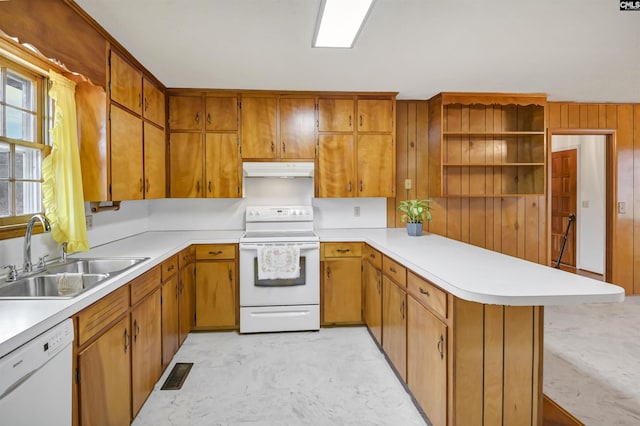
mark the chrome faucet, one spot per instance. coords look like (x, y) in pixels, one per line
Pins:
(28, 266)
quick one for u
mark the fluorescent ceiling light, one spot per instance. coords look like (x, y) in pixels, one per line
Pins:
(339, 22)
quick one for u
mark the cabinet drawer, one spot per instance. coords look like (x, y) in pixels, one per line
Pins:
(394, 270)
(427, 294)
(97, 316)
(186, 256)
(216, 251)
(169, 267)
(373, 256)
(145, 284)
(342, 249)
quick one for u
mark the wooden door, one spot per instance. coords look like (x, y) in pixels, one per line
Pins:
(372, 279)
(146, 353)
(215, 294)
(222, 114)
(563, 204)
(335, 115)
(126, 84)
(126, 156)
(187, 301)
(297, 128)
(105, 378)
(170, 324)
(185, 151)
(336, 166)
(342, 291)
(222, 165)
(375, 115)
(376, 162)
(259, 127)
(155, 181)
(185, 113)
(394, 325)
(427, 361)
(153, 103)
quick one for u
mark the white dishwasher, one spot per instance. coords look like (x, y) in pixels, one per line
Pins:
(36, 378)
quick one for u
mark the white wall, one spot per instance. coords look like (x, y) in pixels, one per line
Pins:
(591, 214)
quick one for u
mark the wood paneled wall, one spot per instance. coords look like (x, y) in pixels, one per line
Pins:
(624, 120)
(510, 225)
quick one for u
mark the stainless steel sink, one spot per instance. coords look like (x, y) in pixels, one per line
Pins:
(111, 266)
(45, 286)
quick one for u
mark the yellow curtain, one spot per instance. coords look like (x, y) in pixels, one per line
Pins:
(62, 187)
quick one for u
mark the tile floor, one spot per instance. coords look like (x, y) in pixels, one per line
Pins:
(336, 376)
(592, 361)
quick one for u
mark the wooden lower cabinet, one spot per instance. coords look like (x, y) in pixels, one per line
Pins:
(146, 353)
(342, 291)
(186, 301)
(372, 282)
(105, 378)
(170, 323)
(216, 294)
(394, 325)
(427, 361)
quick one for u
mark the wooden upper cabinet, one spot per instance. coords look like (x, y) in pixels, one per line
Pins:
(185, 152)
(376, 164)
(185, 113)
(259, 120)
(375, 115)
(155, 183)
(153, 103)
(336, 115)
(335, 166)
(222, 165)
(297, 128)
(222, 113)
(126, 83)
(126, 155)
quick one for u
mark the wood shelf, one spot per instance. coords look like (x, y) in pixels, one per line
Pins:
(490, 164)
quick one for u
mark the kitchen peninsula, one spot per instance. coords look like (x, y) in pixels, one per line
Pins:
(494, 306)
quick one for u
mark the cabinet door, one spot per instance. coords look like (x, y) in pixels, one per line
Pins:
(126, 84)
(222, 165)
(342, 291)
(153, 103)
(372, 279)
(427, 361)
(155, 184)
(216, 294)
(187, 278)
(146, 353)
(375, 115)
(105, 378)
(259, 127)
(170, 325)
(126, 155)
(394, 325)
(335, 115)
(335, 166)
(297, 128)
(222, 114)
(185, 150)
(375, 166)
(185, 113)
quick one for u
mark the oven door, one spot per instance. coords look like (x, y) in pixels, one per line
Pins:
(304, 290)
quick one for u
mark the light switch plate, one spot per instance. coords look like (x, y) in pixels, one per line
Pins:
(622, 208)
(407, 184)
(585, 204)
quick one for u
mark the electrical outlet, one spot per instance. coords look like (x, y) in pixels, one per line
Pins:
(88, 220)
(407, 184)
(585, 204)
(356, 211)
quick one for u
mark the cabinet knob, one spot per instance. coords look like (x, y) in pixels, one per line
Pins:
(208, 118)
(146, 103)
(230, 275)
(328, 272)
(171, 268)
(197, 117)
(148, 185)
(141, 186)
(127, 340)
(209, 186)
(349, 186)
(198, 187)
(423, 291)
(284, 147)
(350, 122)
(215, 253)
(360, 120)
(273, 147)
(392, 269)
(343, 250)
(402, 309)
(360, 186)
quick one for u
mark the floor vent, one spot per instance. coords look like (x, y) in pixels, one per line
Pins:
(177, 376)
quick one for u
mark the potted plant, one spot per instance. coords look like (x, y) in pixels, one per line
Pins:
(415, 213)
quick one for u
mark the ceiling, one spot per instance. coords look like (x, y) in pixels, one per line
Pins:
(573, 50)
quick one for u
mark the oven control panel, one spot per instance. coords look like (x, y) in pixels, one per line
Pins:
(279, 214)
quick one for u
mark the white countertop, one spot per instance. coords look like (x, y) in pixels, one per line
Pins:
(466, 271)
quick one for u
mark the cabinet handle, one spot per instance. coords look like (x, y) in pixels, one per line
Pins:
(127, 340)
(230, 275)
(148, 185)
(208, 118)
(440, 346)
(198, 187)
(350, 124)
(371, 255)
(328, 272)
(402, 309)
(209, 186)
(136, 330)
(343, 250)
(360, 186)
(349, 186)
(146, 103)
(141, 186)
(215, 253)
(423, 291)
(185, 257)
(360, 120)
(171, 268)
(140, 100)
(378, 285)
(198, 117)
(284, 147)
(392, 269)
(273, 147)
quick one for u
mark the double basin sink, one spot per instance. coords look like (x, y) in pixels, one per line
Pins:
(47, 284)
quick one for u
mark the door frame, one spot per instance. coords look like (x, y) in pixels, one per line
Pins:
(611, 185)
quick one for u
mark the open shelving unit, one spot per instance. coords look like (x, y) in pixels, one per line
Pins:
(487, 145)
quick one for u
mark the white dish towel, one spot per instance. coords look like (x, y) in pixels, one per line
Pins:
(278, 262)
(69, 283)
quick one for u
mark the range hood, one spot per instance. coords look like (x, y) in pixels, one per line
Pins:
(277, 169)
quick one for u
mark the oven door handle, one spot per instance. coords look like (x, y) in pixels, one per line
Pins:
(303, 246)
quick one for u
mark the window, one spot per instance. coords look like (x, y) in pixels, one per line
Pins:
(22, 144)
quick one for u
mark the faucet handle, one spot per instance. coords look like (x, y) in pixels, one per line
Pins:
(13, 272)
(64, 251)
(42, 261)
